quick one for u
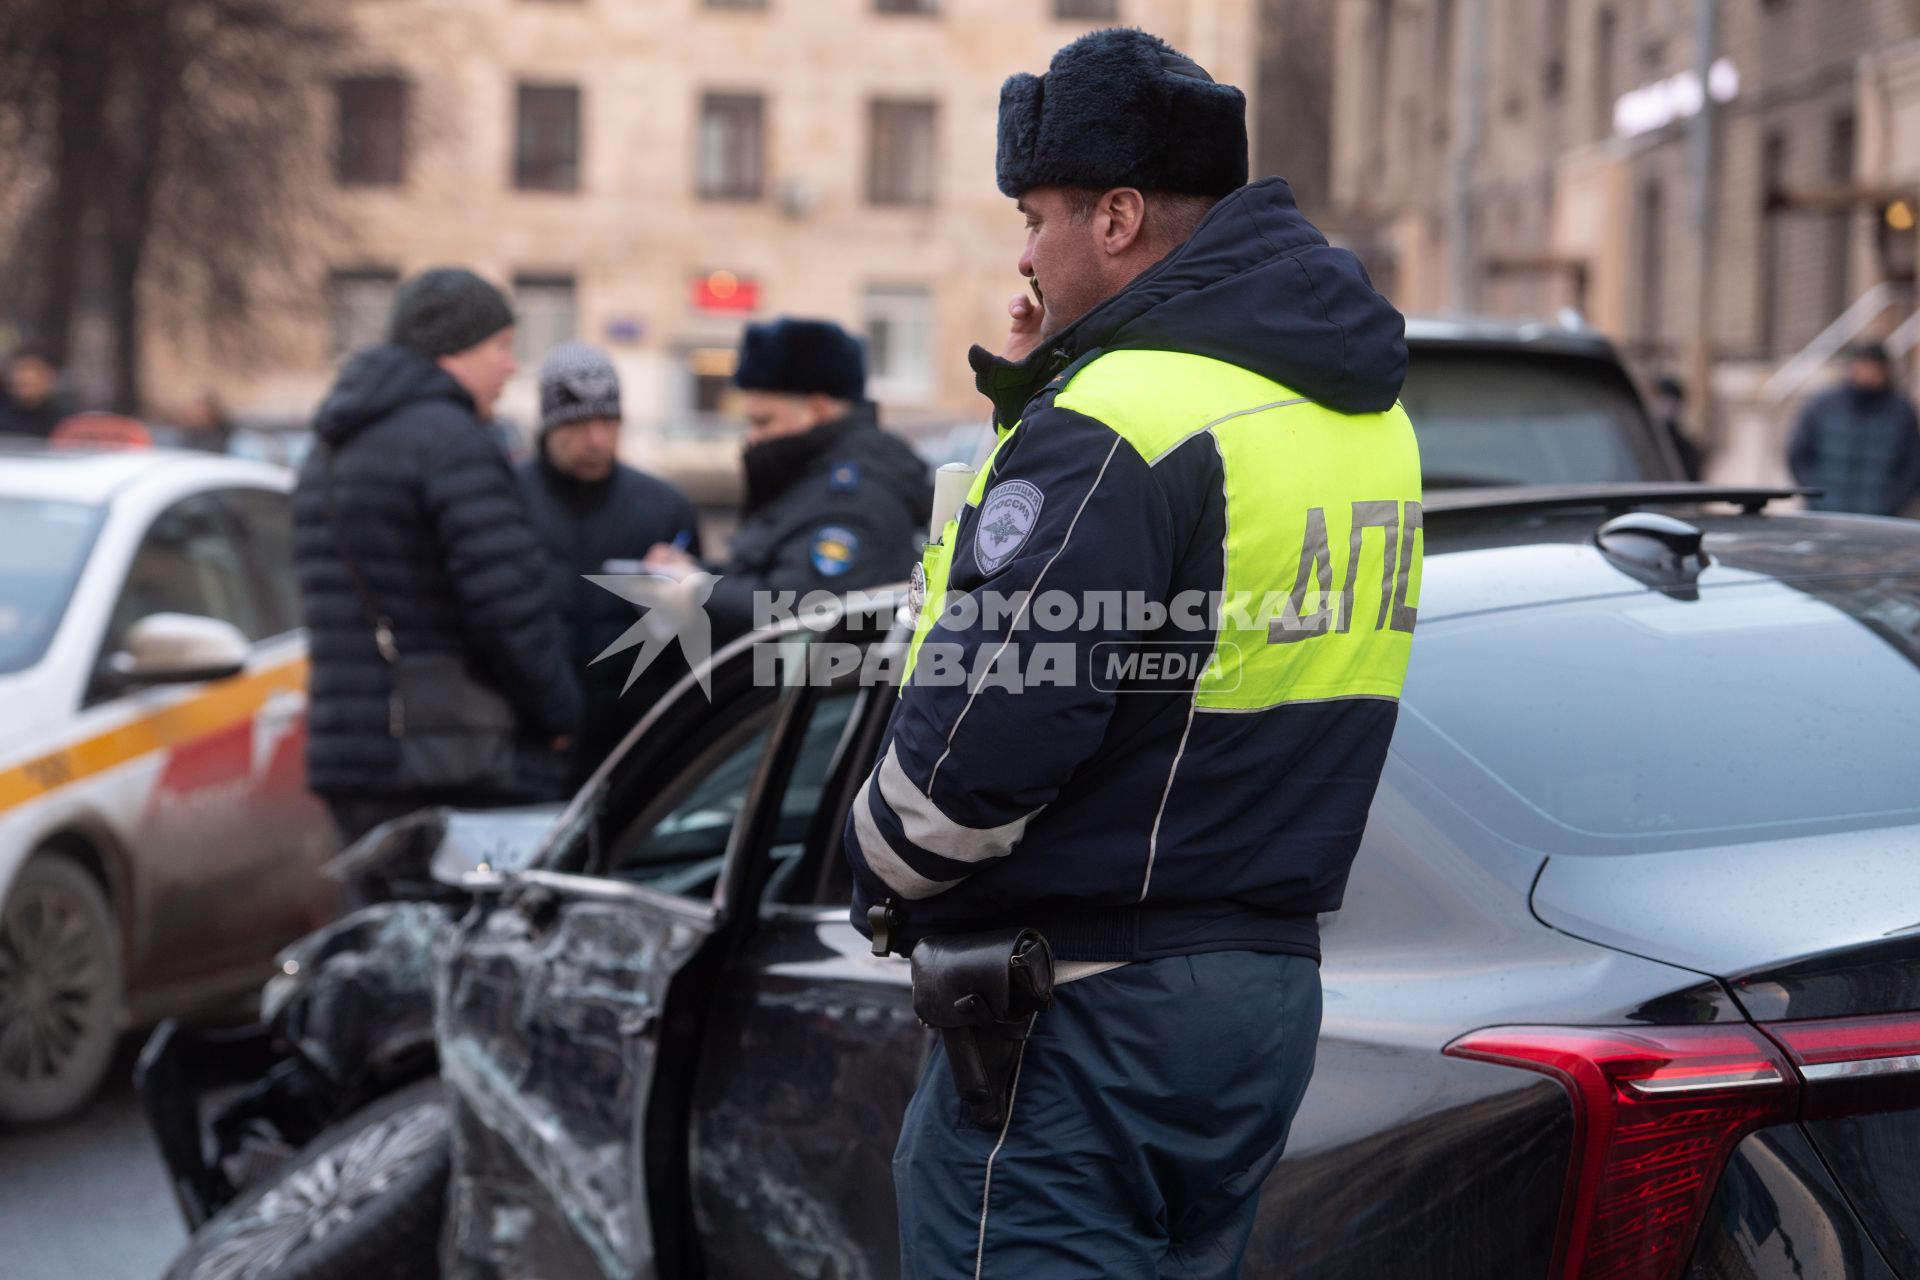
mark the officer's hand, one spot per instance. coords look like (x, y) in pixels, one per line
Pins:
(669, 561)
(1024, 337)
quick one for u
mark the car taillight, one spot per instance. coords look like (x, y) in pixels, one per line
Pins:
(1656, 1112)
(1854, 1064)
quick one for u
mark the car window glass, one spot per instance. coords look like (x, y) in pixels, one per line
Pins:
(266, 526)
(1620, 725)
(43, 549)
(1487, 418)
(678, 846)
(188, 563)
(805, 789)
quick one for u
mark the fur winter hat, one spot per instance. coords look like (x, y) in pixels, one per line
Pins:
(446, 311)
(802, 357)
(577, 382)
(1121, 108)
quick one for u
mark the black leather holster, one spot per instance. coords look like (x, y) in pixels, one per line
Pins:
(981, 992)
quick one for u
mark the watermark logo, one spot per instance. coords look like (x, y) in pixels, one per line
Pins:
(675, 611)
(1114, 642)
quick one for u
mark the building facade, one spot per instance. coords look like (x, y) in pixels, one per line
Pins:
(1523, 156)
(649, 177)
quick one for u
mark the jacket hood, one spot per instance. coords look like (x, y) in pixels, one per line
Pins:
(375, 382)
(1257, 286)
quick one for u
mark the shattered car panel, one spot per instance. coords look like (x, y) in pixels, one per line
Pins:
(425, 853)
(548, 1013)
(359, 993)
(815, 1040)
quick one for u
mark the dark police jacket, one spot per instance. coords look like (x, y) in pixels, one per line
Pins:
(439, 532)
(1223, 432)
(853, 517)
(596, 529)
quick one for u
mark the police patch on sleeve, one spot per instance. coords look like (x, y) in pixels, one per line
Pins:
(835, 547)
(1007, 518)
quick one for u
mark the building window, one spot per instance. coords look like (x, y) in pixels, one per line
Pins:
(359, 302)
(1773, 181)
(899, 325)
(1105, 9)
(732, 146)
(546, 153)
(372, 144)
(1554, 75)
(1605, 40)
(1653, 265)
(543, 313)
(927, 7)
(1841, 136)
(710, 390)
(900, 152)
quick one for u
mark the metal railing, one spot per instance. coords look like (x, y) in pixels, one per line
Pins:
(1793, 376)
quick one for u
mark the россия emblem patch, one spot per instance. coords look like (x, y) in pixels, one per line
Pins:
(1007, 517)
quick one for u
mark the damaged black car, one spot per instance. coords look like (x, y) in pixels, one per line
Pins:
(1610, 996)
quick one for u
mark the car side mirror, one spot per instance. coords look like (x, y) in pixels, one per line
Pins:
(179, 648)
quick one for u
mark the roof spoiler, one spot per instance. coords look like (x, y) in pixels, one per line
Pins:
(1604, 497)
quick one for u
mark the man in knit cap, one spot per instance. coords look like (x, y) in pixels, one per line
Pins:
(412, 545)
(597, 516)
(1198, 421)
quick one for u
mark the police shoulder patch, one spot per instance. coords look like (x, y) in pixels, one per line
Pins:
(1006, 520)
(835, 548)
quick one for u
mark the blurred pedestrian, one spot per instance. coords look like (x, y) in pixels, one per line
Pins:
(1859, 442)
(597, 516)
(1670, 413)
(201, 423)
(439, 671)
(30, 402)
(833, 502)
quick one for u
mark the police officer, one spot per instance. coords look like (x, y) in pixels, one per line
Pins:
(832, 502)
(1200, 448)
(597, 517)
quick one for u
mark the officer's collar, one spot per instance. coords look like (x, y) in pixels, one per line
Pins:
(1010, 385)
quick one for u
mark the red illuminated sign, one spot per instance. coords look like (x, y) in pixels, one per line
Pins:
(724, 291)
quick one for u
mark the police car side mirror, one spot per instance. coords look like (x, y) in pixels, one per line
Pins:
(179, 648)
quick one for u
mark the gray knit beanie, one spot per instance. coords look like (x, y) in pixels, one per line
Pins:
(577, 382)
(447, 310)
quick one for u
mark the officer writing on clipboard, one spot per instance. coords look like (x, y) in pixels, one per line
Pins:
(1198, 421)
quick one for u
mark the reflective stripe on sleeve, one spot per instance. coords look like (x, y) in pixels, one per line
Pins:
(928, 828)
(880, 856)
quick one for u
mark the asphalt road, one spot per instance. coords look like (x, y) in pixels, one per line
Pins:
(87, 1199)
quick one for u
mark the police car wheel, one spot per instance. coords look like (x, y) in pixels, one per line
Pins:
(59, 990)
(363, 1201)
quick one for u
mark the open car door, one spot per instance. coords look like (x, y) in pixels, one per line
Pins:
(563, 992)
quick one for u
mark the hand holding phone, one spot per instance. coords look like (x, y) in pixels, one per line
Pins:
(1028, 315)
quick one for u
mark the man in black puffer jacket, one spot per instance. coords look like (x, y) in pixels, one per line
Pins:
(439, 536)
(598, 517)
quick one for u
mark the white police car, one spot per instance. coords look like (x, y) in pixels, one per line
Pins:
(157, 841)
